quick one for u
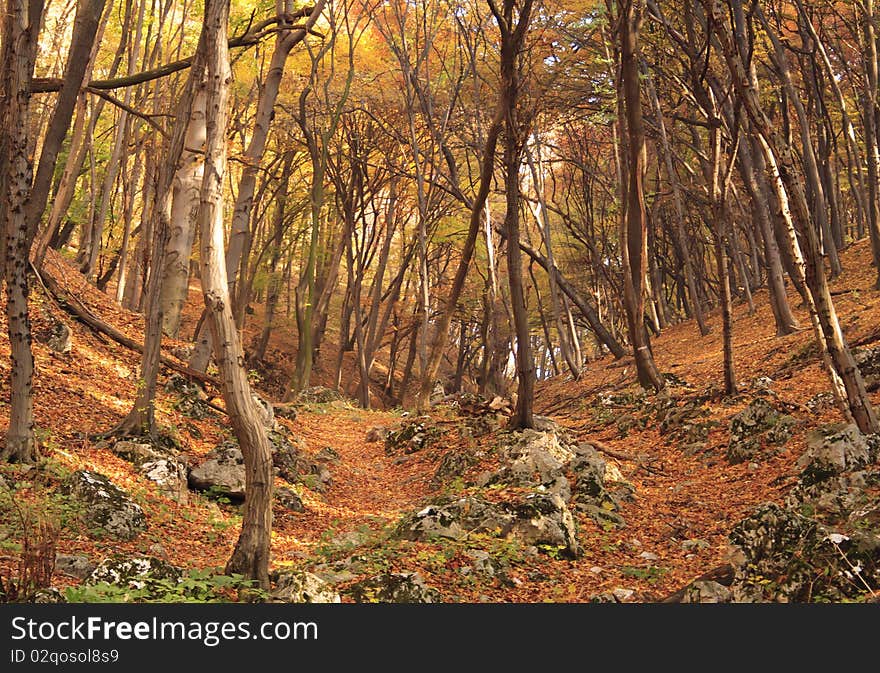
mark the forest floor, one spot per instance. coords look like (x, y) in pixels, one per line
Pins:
(676, 527)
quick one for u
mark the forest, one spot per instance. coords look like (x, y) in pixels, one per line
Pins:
(422, 301)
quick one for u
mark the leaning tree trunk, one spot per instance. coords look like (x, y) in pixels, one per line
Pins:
(251, 554)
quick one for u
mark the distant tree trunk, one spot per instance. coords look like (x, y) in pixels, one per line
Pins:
(251, 554)
(677, 228)
(634, 224)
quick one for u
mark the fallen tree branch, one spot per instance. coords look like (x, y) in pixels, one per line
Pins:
(78, 310)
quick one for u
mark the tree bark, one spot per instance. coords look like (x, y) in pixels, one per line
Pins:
(251, 554)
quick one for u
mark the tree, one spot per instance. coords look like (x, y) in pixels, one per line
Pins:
(634, 222)
(251, 554)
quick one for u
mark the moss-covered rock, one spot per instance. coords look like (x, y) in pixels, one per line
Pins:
(107, 510)
(757, 432)
(394, 588)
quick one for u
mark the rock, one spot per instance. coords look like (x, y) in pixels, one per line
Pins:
(758, 431)
(159, 464)
(832, 450)
(437, 394)
(694, 544)
(107, 509)
(545, 521)
(327, 455)
(394, 588)
(191, 399)
(649, 556)
(285, 410)
(74, 565)
(452, 465)
(288, 457)
(302, 587)
(540, 519)
(377, 433)
(318, 395)
(482, 563)
(868, 362)
(222, 474)
(535, 458)
(56, 335)
(170, 477)
(453, 518)
(158, 551)
(703, 591)
(410, 437)
(622, 595)
(49, 595)
(320, 478)
(138, 572)
(591, 493)
(289, 500)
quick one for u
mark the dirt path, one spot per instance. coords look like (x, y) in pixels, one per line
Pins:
(368, 488)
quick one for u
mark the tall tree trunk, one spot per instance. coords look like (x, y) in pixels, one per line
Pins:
(251, 554)
(634, 224)
(20, 31)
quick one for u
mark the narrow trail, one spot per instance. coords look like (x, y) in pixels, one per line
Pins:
(367, 489)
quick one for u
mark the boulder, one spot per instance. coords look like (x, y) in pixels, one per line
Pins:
(56, 335)
(170, 476)
(706, 591)
(758, 431)
(107, 509)
(832, 450)
(302, 587)
(289, 500)
(540, 519)
(394, 588)
(288, 456)
(377, 433)
(222, 474)
(138, 572)
(868, 362)
(318, 395)
(158, 463)
(191, 398)
(74, 565)
(410, 437)
(543, 520)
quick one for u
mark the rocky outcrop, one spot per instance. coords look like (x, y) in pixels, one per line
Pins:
(106, 509)
(139, 572)
(288, 499)
(160, 464)
(410, 436)
(823, 543)
(74, 565)
(302, 587)
(540, 519)
(394, 588)
(757, 432)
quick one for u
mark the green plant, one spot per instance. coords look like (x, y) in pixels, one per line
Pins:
(650, 573)
(194, 586)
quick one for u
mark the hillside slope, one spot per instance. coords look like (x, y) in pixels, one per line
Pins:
(687, 496)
